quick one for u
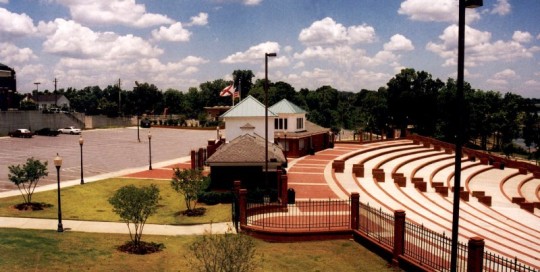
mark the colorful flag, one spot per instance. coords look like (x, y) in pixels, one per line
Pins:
(227, 91)
(236, 93)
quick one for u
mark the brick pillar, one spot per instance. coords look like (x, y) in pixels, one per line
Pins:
(237, 185)
(284, 188)
(399, 234)
(475, 258)
(278, 182)
(193, 159)
(355, 211)
(243, 206)
(200, 161)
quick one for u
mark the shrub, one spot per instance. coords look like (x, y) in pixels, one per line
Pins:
(213, 197)
(223, 252)
(134, 205)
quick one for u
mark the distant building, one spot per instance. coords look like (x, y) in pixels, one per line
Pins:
(8, 87)
(48, 101)
(296, 135)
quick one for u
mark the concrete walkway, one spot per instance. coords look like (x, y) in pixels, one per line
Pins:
(113, 227)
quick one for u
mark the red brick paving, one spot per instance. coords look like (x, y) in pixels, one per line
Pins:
(302, 176)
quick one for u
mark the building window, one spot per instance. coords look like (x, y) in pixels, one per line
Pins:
(280, 123)
(299, 123)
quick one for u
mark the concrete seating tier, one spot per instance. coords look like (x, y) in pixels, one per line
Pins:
(381, 175)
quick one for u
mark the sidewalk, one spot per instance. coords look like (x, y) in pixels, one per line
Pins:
(113, 227)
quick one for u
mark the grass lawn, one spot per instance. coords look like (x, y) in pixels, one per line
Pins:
(43, 250)
(90, 202)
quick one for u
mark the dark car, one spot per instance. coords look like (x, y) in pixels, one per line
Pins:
(21, 133)
(145, 123)
(47, 132)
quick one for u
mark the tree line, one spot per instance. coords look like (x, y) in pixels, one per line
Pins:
(411, 100)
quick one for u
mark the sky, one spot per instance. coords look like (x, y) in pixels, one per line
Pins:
(348, 44)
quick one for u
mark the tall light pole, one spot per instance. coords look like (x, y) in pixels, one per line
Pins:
(266, 55)
(459, 126)
(149, 151)
(58, 164)
(37, 86)
(81, 142)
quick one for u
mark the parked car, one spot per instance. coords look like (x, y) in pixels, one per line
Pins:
(70, 130)
(47, 132)
(21, 133)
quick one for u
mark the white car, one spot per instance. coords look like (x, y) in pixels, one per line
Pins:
(70, 130)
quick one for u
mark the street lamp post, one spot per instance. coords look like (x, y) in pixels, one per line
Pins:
(138, 124)
(266, 55)
(81, 142)
(149, 151)
(58, 164)
(459, 131)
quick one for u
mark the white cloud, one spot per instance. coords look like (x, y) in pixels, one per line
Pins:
(174, 33)
(200, 20)
(254, 54)
(502, 7)
(522, 37)
(15, 25)
(74, 40)
(4, 1)
(399, 42)
(503, 77)
(105, 12)
(11, 54)
(328, 32)
(435, 11)
(252, 2)
(479, 48)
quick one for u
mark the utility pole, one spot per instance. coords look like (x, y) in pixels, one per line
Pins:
(119, 97)
(55, 92)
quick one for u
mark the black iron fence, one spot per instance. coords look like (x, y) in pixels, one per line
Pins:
(494, 262)
(377, 224)
(308, 215)
(405, 239)
(432, 249)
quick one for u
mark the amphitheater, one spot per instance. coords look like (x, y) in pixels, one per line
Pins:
(500, 199)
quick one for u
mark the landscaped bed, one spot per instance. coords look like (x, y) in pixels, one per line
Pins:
(90, 202)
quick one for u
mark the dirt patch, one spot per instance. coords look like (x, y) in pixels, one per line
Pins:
(32, 206)
(142, 248)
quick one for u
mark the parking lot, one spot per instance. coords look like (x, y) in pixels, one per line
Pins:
(104, 151)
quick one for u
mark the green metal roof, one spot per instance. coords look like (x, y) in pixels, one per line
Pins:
(248, 107)
(286, 106)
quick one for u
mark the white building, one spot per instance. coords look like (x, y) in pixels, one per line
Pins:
(247, 117)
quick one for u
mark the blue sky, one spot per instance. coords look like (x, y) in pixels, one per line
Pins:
(351, 45)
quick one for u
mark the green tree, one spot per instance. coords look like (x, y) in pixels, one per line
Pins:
(134, 205)
(223, 253)
(190, 183)
(173, 100)
(26, 177)
(243, 81)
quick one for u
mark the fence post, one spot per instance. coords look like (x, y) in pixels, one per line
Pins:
(193, 159)
(243, 205)
(355, 210)
(236, 186)
(399, 234)
(475, 257)
(200, 161)
(284, 188)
